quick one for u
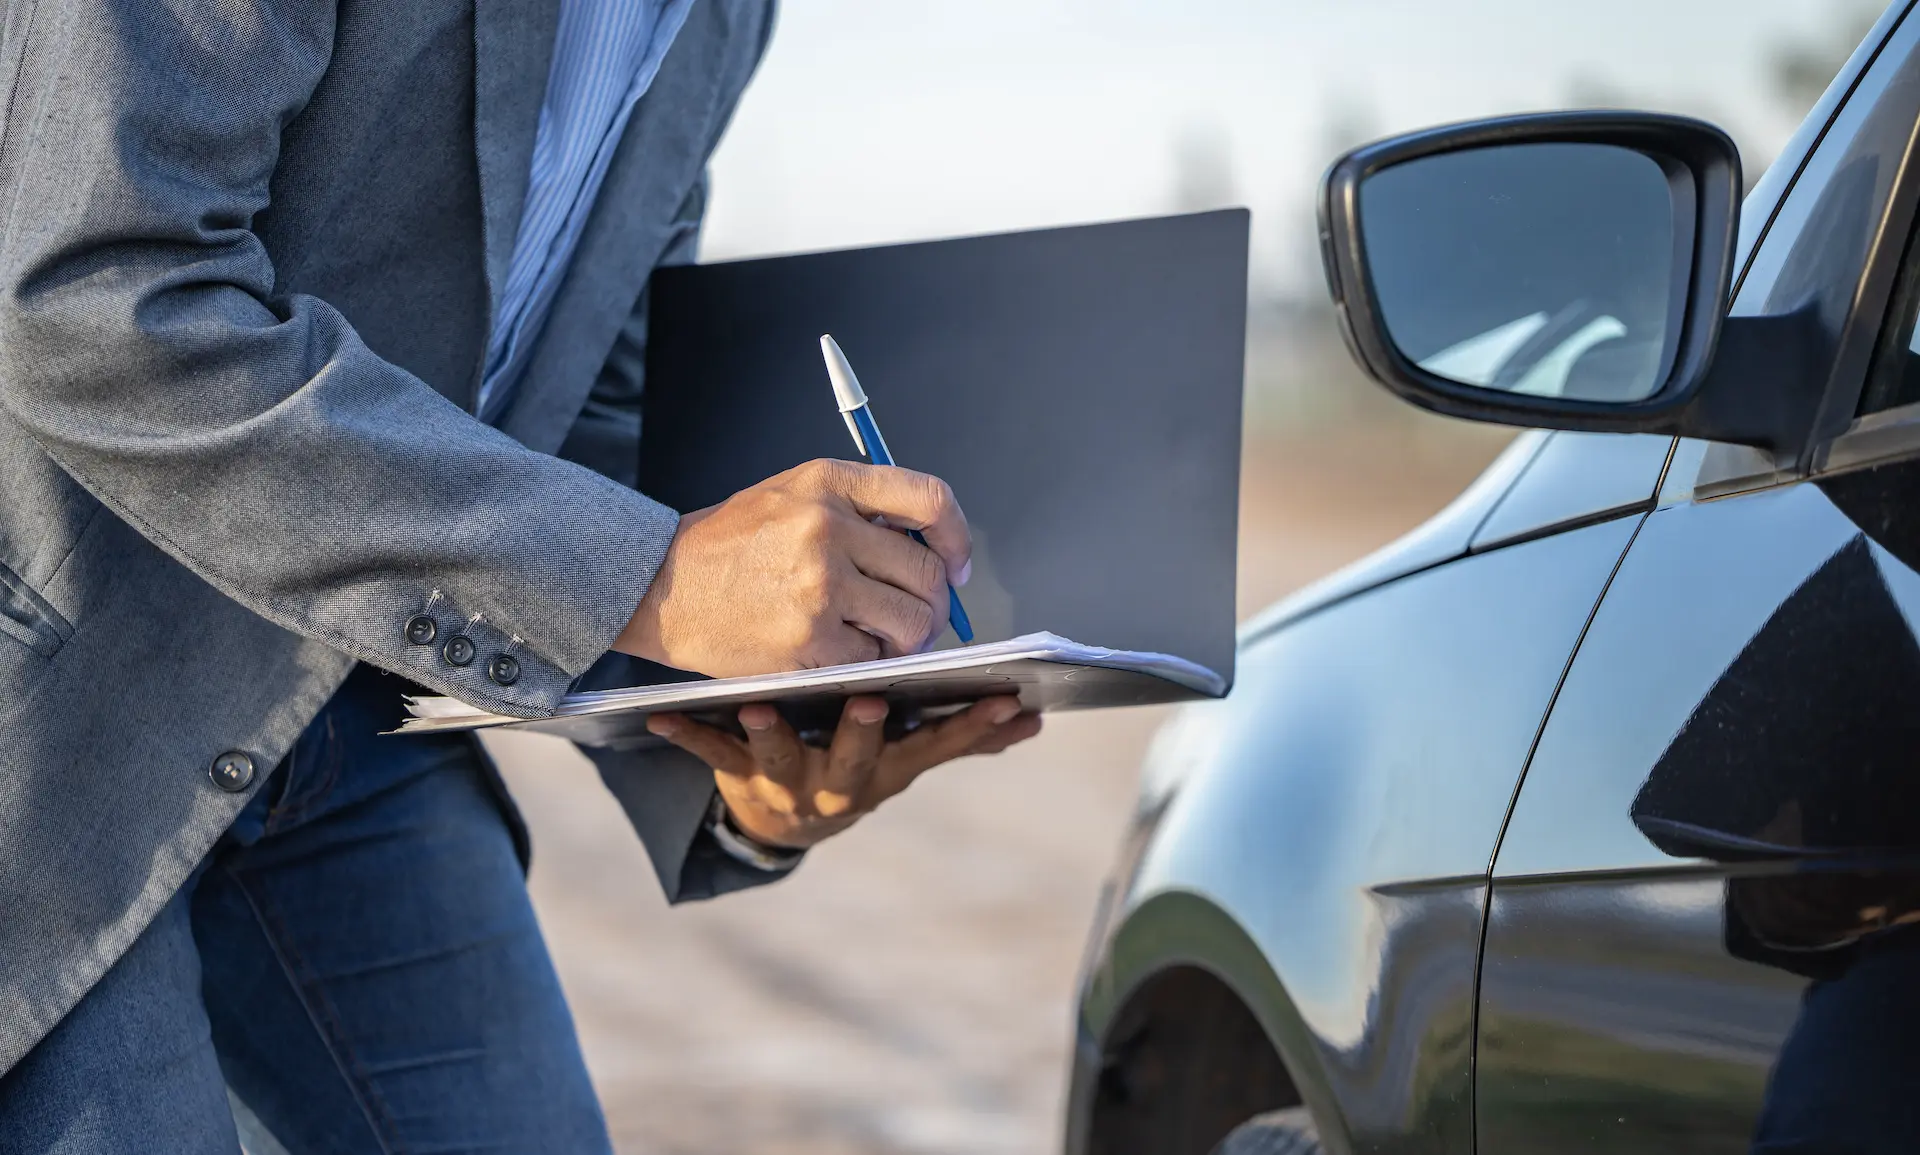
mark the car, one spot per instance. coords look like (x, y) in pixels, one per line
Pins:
(1586, 817)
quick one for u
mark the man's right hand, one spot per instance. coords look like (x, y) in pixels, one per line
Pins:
(793, 573)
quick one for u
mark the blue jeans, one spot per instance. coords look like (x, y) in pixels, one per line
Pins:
(357, 958)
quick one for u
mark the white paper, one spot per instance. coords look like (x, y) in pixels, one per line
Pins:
(440, 714)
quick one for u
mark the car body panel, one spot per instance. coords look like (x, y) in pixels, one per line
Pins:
(1697, 904)
(1696, 935)
(1337, 790)
(1541, 483)
(1441, 538)
(1577, 478)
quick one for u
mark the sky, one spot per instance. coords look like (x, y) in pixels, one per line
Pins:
(883, 120)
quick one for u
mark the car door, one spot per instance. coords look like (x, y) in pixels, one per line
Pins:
(1704, 925)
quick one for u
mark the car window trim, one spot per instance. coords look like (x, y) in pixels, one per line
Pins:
(1874, 439)
(1892, 433)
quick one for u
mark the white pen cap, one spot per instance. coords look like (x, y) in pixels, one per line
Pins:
(846, 387)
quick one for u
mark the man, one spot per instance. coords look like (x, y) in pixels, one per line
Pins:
(312, 317)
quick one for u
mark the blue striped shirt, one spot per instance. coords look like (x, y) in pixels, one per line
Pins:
(605, 56)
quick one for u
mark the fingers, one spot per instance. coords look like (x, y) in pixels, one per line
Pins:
(907, 500)
(785, 793)
(723, 752)
(943, 741)
(1023, 727)
(901, 562)
(776, 750)
(897, 589)
(842, 645)
(904, 622)
(852, 758)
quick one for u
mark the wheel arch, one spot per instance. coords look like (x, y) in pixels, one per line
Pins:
(1182, 981)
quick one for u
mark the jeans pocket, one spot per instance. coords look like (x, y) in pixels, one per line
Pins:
(308, 773)
(30, 618)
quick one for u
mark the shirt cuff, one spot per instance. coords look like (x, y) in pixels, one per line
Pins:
(745, 849)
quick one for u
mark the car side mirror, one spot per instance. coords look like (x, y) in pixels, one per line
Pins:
(1565, 271)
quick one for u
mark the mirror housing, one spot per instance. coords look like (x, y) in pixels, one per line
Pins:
(1745, 380)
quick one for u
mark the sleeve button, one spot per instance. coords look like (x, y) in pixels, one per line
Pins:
(458, 651)
(421, 630)
(232, 771)
(503, 669)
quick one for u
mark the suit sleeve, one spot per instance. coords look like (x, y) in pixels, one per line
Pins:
(664, 791)
(250, 433)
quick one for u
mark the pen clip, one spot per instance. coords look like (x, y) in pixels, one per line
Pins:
(853, 427)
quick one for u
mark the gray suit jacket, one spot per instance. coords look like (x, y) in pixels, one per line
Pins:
(249, 256)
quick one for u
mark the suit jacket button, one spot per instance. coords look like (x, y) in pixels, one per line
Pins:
(420, 630)
(232, 771)
(458, 651)
(503, 669)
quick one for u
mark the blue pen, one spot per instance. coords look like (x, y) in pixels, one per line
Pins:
(866, 435)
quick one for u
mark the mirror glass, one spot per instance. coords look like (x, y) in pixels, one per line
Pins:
(1546, 269)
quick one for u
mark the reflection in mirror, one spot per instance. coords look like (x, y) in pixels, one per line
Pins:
(1546, 269)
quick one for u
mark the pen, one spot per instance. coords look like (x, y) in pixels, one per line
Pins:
(866, 435)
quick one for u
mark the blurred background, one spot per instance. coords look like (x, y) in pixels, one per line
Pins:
(910, 988)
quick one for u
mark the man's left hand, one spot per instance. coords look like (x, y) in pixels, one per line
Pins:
(785, 793)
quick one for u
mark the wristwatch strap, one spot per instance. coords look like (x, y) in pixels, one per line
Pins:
(744, 848)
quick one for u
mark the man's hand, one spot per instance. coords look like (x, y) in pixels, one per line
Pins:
(785, 793)
(794, 574)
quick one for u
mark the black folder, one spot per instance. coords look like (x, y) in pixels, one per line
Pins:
(1079, 388)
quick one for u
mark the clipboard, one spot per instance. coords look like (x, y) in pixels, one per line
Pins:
(1079, 388)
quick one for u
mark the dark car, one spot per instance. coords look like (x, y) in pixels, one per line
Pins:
(1586, 818)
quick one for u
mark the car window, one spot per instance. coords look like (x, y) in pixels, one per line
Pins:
(1894, 378)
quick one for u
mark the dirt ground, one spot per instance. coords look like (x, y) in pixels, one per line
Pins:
(909, 989)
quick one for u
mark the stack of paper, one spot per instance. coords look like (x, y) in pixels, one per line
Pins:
(1046, 671)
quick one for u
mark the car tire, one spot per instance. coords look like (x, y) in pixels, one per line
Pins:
(1288, 1132)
